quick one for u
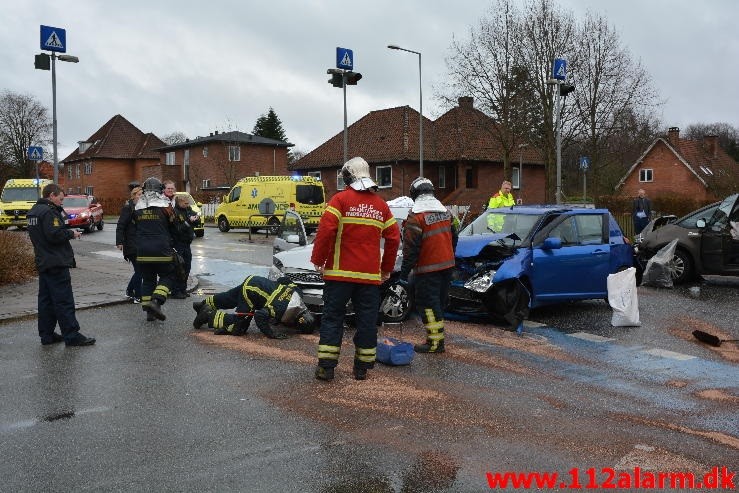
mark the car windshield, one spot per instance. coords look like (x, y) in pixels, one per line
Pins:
(722, 215)
(30, 194)
(74, 202)
(502, 221)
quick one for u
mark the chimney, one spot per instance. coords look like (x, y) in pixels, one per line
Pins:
(710, 144)
(216, 132)
(465, 102)
(673, 137)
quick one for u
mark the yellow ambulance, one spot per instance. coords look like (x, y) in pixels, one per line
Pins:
(259, 202)
(17, 198)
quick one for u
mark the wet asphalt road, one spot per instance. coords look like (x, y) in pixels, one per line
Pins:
(159, 406)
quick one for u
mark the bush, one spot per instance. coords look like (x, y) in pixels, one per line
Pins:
(17, 261)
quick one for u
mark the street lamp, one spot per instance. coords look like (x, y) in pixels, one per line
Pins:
(43, 64)
(420, 107)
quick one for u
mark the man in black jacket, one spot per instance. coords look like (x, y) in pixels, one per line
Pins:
(54, 256)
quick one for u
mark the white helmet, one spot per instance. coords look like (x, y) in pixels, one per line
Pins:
(355, 174)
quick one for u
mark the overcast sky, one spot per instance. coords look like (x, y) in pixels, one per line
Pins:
(196, 67)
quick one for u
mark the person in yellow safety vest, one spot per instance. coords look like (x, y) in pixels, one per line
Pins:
(503, 198)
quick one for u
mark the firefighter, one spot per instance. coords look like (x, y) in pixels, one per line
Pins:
(260, 298)
(154, 218)
(429, 239)
(347, 252)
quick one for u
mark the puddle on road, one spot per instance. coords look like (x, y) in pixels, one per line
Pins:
(226, 272)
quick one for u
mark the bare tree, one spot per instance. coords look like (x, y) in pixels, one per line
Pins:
(612, 92)
(24, 122)
(176, 137)
(728, 135)
(488, 68)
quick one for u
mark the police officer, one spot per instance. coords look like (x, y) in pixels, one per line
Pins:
(347, 252)
(54, 256)
(429, 239)
(258, 297)
(154, 229)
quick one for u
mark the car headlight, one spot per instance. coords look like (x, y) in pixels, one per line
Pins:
(85, 214)
(481, 282)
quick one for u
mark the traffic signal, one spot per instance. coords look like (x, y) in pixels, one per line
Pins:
(42, 62)
(352, 78)
(565, 89)
(336, 80)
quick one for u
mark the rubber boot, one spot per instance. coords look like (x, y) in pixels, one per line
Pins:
(430, 347)
(154, 308)
(326, 374)
(359, 373)
(197, 305)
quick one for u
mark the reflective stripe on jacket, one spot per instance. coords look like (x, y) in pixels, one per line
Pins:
(348, 241)
(428, 242)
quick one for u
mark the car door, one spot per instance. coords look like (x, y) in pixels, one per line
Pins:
(720, 239)
(290, 234)
(580, 268)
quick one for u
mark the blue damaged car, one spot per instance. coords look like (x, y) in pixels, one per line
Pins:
(515, 258)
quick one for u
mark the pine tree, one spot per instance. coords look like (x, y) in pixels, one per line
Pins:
(269, 126)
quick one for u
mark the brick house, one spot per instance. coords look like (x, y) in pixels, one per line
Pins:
(109, 159)
(214, 163)
(460, 156)
(698, 170)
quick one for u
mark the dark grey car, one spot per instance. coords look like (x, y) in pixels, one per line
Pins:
(705, 243)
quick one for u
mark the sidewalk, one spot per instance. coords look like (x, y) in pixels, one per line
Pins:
(98, 280)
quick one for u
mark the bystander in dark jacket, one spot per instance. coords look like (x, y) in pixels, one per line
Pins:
(54, 257)
(184, 217)
(125, 240)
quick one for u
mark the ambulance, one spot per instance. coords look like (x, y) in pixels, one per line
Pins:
(17, 198)
(259, 202)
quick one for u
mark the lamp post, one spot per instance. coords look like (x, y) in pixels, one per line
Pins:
(63, 58)
(420, 107)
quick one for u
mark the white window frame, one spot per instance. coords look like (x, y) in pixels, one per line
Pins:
(69, 173)
(442, 177)
(206, 184)
(646, 175)
(339, 181)
(314, 174)
(88, 168)
(377, 176)
(186, 165)
(89, 190)
(77, 172)
(234, 153)
(205, 151)
(169, 159)
(515, 177)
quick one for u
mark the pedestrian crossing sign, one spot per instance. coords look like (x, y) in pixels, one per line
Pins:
(344, 58)
(53, 39)
(35, 153)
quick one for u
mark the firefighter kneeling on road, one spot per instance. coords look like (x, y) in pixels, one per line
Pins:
(260, 298)
(429, 239)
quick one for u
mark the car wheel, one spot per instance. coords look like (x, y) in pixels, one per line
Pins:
(273, 225)
(682, 267)
(395, 304)
(508, 303)
(101, 225)
(223, 225)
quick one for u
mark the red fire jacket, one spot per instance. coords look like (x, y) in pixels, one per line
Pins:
(348, 241)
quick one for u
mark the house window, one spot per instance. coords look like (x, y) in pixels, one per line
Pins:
(314, 174)
(88, 168)
(84, 146)
(77, 171)
(69, 190)
(234, 153)
(69, 173)
(205, 151)
(170, 158)
(384, 176)
(88, 190)
(645, 175)
(442, 176)
(339, 181)
(206, 184)
(470, 178)
(186, 166)
(516, 178)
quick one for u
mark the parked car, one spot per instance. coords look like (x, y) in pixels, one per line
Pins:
(705, 244)
(511, 259)
(195, 206)
(292, 251)
(83, 211)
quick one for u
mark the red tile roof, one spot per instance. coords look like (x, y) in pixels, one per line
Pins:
(119, 139)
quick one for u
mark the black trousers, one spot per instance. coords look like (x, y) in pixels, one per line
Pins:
(56, 304)
(184, 250)
(158, 279)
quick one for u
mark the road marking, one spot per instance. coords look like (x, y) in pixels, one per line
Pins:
(590, 337)
(110, 253)
(664, 353)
